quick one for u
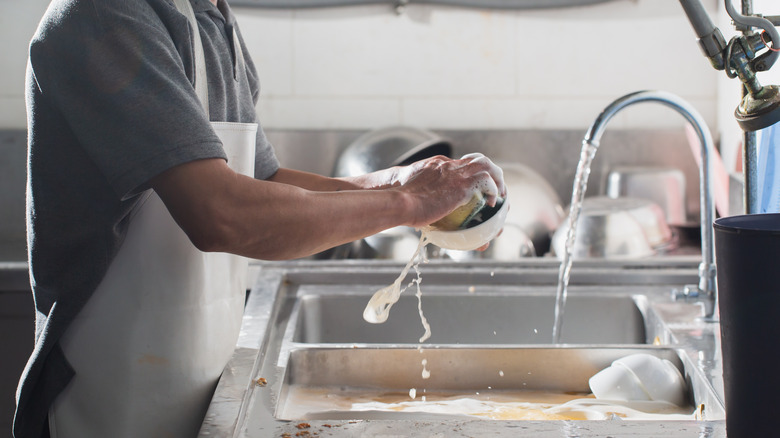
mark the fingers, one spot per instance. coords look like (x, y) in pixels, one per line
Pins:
(492, 183)
(452, 182)
(483, 247)
(404, 174)
(489, 188)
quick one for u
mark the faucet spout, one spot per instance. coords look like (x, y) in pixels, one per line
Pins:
(706, 290)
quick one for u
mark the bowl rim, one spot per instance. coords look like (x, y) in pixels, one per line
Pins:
(469, 238)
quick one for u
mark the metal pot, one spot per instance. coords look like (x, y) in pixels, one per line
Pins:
(536, 209)
(387, 147)
(616, 228)
(664, 186)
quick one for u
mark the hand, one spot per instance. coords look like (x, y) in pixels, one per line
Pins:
(495, 173)
(438, 185)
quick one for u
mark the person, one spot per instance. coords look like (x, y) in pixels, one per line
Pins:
(149, 184)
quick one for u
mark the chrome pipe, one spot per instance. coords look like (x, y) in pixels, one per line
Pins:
(749, 145)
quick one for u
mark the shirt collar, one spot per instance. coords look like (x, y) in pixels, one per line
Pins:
(222, 11)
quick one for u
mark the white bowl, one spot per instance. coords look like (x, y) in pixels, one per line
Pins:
(617, 382)
(640, 377)
(470, 238)
(660, 378)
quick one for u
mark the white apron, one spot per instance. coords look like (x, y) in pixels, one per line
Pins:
(152, 341)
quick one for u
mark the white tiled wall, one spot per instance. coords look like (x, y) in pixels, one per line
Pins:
(441, 67)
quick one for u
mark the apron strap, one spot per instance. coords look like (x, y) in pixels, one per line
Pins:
(201, 77)
(201, 81)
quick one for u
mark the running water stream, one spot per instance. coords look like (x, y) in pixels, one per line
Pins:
(577, 196)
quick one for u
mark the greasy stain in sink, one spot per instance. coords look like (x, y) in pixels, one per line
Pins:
(497, 384)
(316, 402)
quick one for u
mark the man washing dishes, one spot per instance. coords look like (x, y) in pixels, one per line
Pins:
(149, 181)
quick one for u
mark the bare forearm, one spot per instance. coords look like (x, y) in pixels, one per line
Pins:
(297, 222)
(296, 214)
(378, 180)
(273, 221)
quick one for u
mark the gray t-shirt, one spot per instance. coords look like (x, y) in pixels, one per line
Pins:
(110, 105)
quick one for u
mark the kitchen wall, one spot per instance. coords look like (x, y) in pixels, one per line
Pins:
(439, 67)
(443, 67)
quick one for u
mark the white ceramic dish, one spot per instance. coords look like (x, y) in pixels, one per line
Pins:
(640, 377)
(472, 237)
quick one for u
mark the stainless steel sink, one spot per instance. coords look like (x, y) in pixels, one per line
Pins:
(491, 326)
(490, 317)
(317, 377)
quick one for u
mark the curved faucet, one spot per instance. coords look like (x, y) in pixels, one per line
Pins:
(706, 290)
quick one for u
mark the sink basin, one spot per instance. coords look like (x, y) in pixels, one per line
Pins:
(305, 351)
(323, 383)
(481, 319)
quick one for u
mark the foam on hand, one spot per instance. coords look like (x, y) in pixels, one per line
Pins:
(494, 184)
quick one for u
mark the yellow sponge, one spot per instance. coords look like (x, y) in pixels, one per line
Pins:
(461, 216)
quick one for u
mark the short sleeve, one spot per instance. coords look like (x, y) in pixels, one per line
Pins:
(266, 163)
(121, 83)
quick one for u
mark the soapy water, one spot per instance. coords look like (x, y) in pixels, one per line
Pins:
(417, 282)
(486, 186)
(587, 154)
(378, 308)
(425, 373)
(489, 405)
